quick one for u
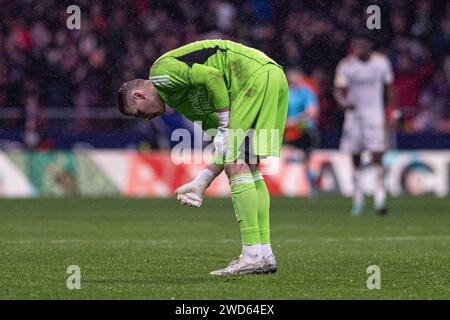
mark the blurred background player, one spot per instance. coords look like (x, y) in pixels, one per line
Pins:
(361, 80)
(301, 125)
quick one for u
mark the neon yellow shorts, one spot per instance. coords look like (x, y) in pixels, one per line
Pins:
(258, 115)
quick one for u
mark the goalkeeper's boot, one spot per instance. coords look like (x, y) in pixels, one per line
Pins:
(241, 265)
(271, 264)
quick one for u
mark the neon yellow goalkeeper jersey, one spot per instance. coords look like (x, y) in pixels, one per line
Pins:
(203, 76)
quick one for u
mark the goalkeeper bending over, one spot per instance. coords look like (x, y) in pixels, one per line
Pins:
(227, 86)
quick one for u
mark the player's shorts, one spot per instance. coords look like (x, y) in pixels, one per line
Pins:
(360, 135)
(258, 115)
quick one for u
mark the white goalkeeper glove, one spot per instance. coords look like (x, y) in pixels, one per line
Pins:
(191, 194)
(220, 140)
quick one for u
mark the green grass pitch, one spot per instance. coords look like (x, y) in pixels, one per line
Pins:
(156, 249)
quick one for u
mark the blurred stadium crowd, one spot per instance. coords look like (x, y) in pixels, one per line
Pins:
(46, 68)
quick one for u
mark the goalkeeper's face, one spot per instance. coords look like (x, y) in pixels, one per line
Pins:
(138, 98)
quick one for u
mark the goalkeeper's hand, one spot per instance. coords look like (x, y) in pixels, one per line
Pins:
(220, 142)
(190, 194)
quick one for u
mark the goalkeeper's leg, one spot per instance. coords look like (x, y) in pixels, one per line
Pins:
(244, 197)
(264, 217)
(245, 203)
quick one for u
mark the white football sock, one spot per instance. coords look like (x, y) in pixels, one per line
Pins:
(252, 252)
(380, 191)
(358, 192)
(266, 249)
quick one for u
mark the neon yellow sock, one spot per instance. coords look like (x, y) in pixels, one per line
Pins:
(263, 207)
(245, 200)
